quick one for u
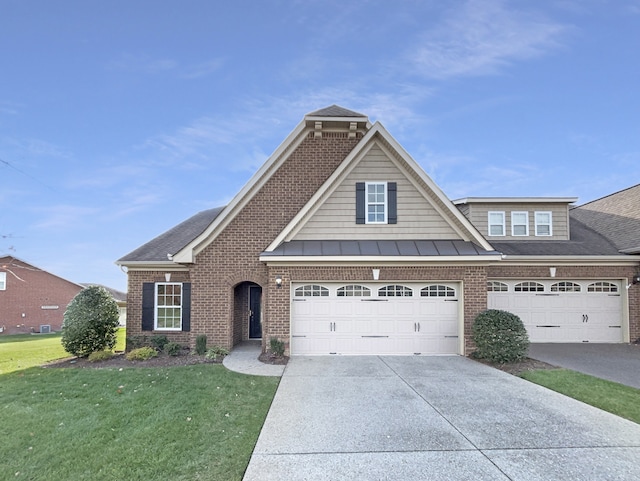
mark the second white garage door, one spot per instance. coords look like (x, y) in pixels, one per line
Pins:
(371, 319)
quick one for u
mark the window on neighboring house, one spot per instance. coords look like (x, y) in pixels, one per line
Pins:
(166, 306)
(496, 223)
(376, 203)
(519, 224)
(543, 223)
(3, 281)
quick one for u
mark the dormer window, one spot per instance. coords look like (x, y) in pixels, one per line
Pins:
(496, 223)
(376, 203)
(519, 224)
(543, 223)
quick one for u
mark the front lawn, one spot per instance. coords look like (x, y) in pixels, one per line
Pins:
(615, 398)
(180, 423)
(22, 351)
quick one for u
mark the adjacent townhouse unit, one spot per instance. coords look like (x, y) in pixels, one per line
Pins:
(32, 300)
(341, 244)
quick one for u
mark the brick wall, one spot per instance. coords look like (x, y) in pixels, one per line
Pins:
(28, 289)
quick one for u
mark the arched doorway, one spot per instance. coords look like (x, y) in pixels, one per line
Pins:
(247, 297)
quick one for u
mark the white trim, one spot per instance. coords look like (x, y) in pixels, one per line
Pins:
(621, 260)
(385, 202)
(3, 281)
(504, 223)
(375, 260)
(156, 306)
(550, 224)
(515, 200)
(525, 223)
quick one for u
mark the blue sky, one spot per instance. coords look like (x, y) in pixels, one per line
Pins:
(120, 119)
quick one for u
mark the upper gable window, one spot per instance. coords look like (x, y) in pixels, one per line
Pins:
(519, 224)
(3, 281)
(354, 290)
(395, 291)
(376, 203)
(496, 223)
(543, 223)
(311, 290)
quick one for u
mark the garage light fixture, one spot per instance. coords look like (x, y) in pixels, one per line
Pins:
(636, 279)
(278, 282)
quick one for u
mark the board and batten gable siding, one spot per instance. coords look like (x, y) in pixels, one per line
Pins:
(478, 214)
(417, 218)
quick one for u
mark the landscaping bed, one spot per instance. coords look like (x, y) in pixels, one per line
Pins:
(119, 360)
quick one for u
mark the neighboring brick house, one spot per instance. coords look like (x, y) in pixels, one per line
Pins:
(31, 299)
(341, 244)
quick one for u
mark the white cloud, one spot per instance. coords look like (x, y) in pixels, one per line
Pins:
(65, 216)
(481, 37)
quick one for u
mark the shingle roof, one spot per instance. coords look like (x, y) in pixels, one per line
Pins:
(172, 240)
(584, 242)
(334, 248)
(335, 111)
(616, 216)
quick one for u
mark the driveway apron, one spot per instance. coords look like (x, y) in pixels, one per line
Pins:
(448, 418)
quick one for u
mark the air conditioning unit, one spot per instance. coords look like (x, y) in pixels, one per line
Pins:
(45, 328)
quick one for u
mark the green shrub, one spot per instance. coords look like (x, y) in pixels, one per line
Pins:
(201, 345)
(499, 336)
(134, 342)
(216, 352)
(159, 342)
(172, 348)
(141, 354)
(90, 322)
(98, 356)
(276, 346)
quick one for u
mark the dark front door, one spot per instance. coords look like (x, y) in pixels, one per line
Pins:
(255, 318)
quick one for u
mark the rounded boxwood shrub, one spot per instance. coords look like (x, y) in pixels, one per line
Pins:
(99, 356)
(499, 336)
(90, 322)
(141, 354)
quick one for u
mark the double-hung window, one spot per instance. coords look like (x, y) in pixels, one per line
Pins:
(376, 195)
(519, 224)
(376, 203)
(496, 223)
(543, 223)
(166, 306)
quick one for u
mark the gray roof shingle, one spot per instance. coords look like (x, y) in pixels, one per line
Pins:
(174, 239)
(584, 242)
(335, 111)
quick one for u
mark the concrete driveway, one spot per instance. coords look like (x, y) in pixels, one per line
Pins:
(615, 362)
(436, 418)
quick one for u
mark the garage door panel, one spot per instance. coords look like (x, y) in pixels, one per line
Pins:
(564, 316)
(376, 325)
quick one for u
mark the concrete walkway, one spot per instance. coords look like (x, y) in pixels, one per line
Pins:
(615, 362)
(436, 418)
(244, 358)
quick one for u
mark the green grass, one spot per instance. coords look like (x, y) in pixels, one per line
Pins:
(615, 398)
(23, 351)
(197, 422)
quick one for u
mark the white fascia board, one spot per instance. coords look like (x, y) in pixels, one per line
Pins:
(621, 260)
(376, 260)
(152, 266)
(515, 200)
(187, 253)
(324, 118)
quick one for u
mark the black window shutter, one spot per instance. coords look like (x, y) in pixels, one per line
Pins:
(186, 306)
(392, 192)
(360, 203)
(148, 305)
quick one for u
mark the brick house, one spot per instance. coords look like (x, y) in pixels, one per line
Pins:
(32, 299)
(341, 244)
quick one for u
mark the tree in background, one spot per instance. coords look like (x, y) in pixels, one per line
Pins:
(90, 322)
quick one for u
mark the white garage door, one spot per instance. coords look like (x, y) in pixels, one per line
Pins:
(370, 318)
(562, 311)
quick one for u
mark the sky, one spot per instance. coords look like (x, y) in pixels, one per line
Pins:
(120, 119)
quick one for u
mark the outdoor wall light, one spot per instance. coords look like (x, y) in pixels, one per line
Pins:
(636, 279)
(278, 282)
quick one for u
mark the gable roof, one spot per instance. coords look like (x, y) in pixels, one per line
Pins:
(437, 198)
(162, 248)
(335, 111)
(12, 265)
(616, 216)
